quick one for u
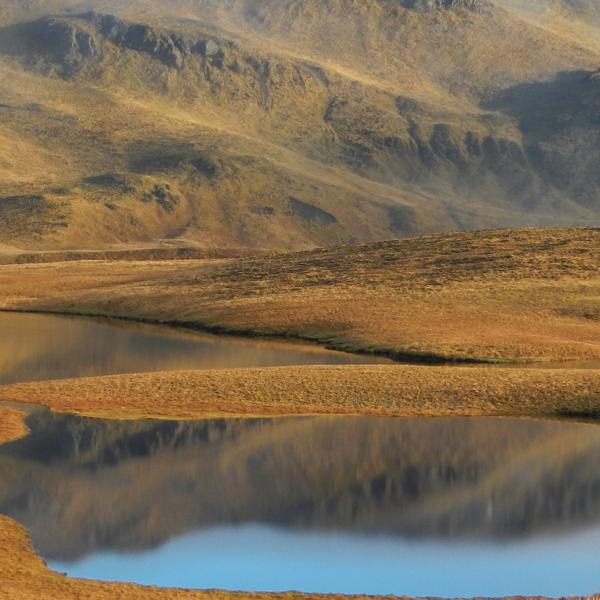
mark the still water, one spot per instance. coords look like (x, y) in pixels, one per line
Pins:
(36, 347)
(438, 507)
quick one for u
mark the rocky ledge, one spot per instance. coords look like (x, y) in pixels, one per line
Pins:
(71, 40)
(431, 5)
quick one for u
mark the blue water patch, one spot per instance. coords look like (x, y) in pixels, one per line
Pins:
(268, 559)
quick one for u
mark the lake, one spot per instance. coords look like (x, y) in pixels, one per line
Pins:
(37, 347)
(436, 507)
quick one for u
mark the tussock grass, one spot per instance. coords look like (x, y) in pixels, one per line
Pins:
(11, 424)
(366, 390)
(586, 407)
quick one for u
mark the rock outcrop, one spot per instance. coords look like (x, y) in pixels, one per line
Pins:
(70, 41)
(63, 40)
(169, 48)
(429, 5)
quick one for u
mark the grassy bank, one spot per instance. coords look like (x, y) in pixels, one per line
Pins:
(11, 424)
(492, 296)
(528, 295)
(367, 390)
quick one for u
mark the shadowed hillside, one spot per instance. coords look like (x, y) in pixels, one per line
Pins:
(286, 124)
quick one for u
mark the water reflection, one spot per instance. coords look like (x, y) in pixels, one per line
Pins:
(432, 490)
(35, 347)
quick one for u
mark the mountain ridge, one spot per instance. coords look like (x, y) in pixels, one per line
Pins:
(207, 130)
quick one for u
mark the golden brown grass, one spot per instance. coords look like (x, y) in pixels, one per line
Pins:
(523, 295)
(509, 294)
(11, 424)
(273, 138)
(366, 390)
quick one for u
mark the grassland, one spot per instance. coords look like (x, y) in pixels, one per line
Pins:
(358, 390)
(11, 424)
(389, 125)
(393, 123)
(496, 296)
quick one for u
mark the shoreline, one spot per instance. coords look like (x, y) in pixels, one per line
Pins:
(528, 295)
(401, 358)
(506, 297)
(191, 328)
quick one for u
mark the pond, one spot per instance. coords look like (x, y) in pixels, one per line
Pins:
(425, 507)
(37, 347)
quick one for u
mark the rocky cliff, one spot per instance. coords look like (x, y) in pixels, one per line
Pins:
(428, 5)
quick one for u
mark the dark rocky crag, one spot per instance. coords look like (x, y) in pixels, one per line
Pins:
(71, 40)
(429, 5)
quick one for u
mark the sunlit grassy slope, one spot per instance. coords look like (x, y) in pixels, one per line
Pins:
(489, 296)
(291, 124)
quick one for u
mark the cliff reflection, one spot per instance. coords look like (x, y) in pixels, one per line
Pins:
(82, 485)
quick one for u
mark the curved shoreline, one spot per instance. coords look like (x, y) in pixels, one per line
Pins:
(529, 294)
(416, 358)
(518, 296)
(241, 392)
(25, 576)
(192, 328)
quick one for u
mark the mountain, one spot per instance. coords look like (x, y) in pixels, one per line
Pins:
(292, 123)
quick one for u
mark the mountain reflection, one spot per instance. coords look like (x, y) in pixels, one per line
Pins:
(82, 485)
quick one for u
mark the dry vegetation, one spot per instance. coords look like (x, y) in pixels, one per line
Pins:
(11, 424)
(508, 294)
(530, 295)
(264, 151)
(365, 390)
